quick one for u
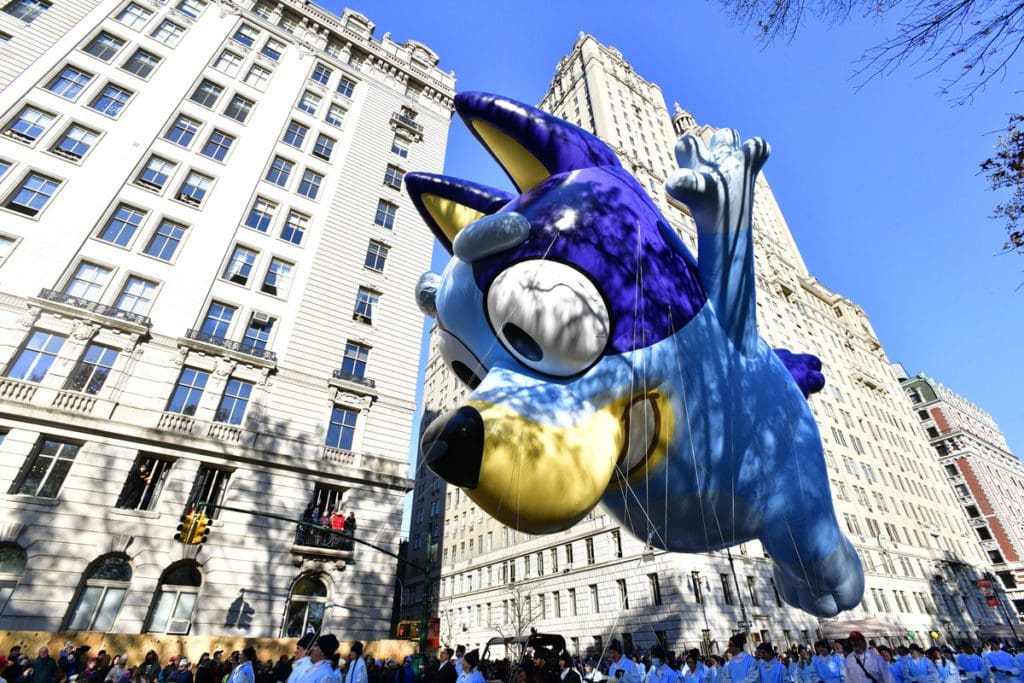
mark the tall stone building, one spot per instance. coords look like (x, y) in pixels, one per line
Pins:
(206, 262)
(986, 477)
(595, 581)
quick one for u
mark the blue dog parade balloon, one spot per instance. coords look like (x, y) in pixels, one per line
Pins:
(607, 364)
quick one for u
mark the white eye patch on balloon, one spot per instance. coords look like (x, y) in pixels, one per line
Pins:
(549, 316)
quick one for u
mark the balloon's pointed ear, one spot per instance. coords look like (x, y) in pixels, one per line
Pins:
(449, 204)
(531, 145)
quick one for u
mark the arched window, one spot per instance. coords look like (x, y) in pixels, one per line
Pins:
(100, 599)
(12, 564)
(176, 599)
(305, 607)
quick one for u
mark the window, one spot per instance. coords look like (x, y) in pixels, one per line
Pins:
(218, 320)
(295, 227)
(76, 142)
(306, 606)
(261, 214)
(697, 587)
(33, 194)
(133, 16)
(995, 557)
(210, 486)
(589, 543)
(45, 470)
(309, 103)
(623, 594)
(257, 334)
(104, 46)
(595, 600)
(279, 172)
(34, 360)
(194, 189)
(111, 100)
(69, 83)
(228, 62)
(655, 589)
(141, 63)
(366, 302)
(166, 240)
(726, 589)
(385, 216)
(400, 147)
(321, 74)
(188, 392)
(218, 145)
(335, 116)
(206, 93)
(295, 135)
(240, 265)
(775, 592)
(4, 39)
(12, 565)
(393, 177)
(102, 595)
(258, 76)
(143, 483)
(92, 369)
(309, 186)
(26, 10)
(88, 282)
(168, 33)
(29, 125)
(752, 590)
(246, 35)
(346, 86)
(191, 8)
(136, 295)
(121, 227)
(155, 173)
(273, 49)
(176, 597)
(323, 148)
(183, 131)
(342, 429)
(354, 362)
(238, 109)
(278, 278)
(234, 402)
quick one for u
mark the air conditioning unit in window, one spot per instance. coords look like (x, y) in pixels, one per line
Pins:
(261, 319)
(179, 627)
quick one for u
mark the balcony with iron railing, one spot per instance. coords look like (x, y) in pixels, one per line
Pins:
(231, 345)
(407, 122)
(95, 307)
(323, 538)
(346, 376)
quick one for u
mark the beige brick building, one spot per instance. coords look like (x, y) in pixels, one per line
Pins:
(206, 262)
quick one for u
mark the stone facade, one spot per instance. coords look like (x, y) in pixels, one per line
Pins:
(206, 262)
(595, 582)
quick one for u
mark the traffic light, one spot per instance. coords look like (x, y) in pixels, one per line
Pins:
(201, 530)
(186, 528)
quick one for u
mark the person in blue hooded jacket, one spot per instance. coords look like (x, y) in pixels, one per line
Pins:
(769, 668)
(825, 668)
(999, 662)
(741, 667)
(945, 668)
(894, 664)
(917, 668)
(972, 668)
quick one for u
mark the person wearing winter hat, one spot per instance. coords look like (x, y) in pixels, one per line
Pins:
(356, 671)
(470, 672)
(320, 670)
(301, 661)
(244, 672)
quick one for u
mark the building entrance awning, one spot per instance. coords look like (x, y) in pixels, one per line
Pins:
(999, 631)
(869, 627)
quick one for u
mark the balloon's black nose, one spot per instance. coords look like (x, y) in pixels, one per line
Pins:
(453, 446)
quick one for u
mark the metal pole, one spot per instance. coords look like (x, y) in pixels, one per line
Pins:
(745, 625)
(425, 616)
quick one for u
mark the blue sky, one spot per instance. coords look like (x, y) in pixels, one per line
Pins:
(879, 185)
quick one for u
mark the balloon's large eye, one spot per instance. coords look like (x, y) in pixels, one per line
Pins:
(550, 316)
(460, 359)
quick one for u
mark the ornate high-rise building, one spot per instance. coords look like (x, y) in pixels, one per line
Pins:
(206, 262)
(595, 581)
(986, 477)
